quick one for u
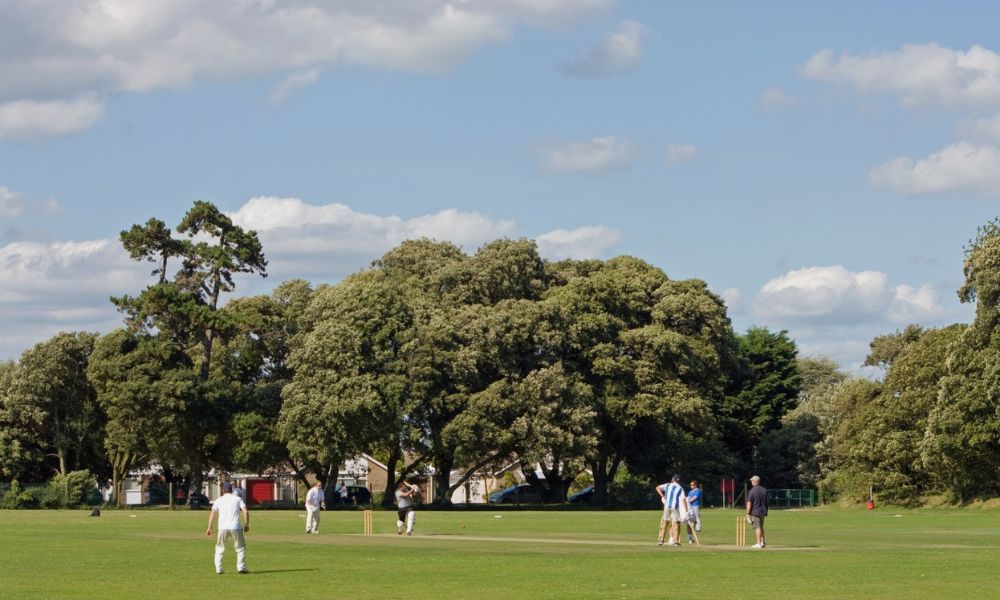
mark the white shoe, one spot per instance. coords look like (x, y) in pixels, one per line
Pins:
(757, 546)
(659, 543)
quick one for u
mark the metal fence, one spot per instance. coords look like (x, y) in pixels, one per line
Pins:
(791, 498)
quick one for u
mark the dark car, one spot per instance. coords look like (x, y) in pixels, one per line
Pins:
(357, 495)
(584, 496)
(517, 494)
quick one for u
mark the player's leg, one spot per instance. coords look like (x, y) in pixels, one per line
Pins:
(240, 545)
(410, 517)
(220, 548)
(663, 531)
(400, 521)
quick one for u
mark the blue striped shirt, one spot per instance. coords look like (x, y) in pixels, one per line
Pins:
(673, 493)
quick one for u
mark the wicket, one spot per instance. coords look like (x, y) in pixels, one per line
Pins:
(741, 532)
(368, 521)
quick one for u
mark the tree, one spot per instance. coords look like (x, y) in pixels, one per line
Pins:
(962, 443)
(187, 308)
(184, 311)
(652, 351)
(51, 412)
(143, 385)
(256, 357)
(766, 386)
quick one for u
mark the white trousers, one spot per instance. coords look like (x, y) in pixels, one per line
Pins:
(239, 544)
(312, 519)
(411, 516)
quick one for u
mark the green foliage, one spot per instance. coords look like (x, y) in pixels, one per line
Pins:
(630, 490)
(49, 414)
(69, 490)
(15, 497)
(962, 442)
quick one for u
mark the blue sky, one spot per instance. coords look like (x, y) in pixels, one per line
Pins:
(820, 164)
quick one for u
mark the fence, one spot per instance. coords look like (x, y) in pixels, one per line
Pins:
(791, 498)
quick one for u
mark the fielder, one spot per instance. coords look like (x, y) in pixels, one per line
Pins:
(315, 500)
(229, 508)
(694, 514)
(675, 509)
(405, 500)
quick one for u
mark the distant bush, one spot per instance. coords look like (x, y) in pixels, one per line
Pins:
(69, 490)
(17, 497)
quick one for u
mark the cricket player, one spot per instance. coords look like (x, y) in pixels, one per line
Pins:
(675, 509)
(405, 493)
(229, 508)
(315, 500)
(694, 515)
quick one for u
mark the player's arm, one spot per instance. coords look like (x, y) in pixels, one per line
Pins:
(246, 517)
(749, 505)
(211, 516)
(660, 492)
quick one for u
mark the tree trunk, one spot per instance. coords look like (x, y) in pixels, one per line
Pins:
(600, 481)
(443, 466)
(395, 455)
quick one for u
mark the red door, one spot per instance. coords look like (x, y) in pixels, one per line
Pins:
(260, 490)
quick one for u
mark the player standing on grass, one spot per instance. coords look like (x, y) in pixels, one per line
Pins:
(694, 510)
(674, 502)
(315, 500)
(757, 510)
(229, 508)
(405, 493)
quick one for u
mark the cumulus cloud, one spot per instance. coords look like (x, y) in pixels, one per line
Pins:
(14, 205)
(28, 118)
(594, 157)
(733, 297)
(962, 167)
(776, 100)
(64, 286)
(922, 75)
(618, 52)
(836, 295)
(579, 243)
(982, 130)
(836, 312)
(292, 83)
(60, 49)
(678, 153)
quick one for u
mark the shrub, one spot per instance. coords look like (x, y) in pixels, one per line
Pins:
(16, 497)
(630, 490)
(67, 490)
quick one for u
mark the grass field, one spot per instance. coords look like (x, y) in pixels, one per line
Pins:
(817, 553)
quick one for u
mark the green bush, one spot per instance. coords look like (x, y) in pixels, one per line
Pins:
(630, 490)
(67, 490)
(377, 498)
(17, 498)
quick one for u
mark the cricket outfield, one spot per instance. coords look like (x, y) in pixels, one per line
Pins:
(817, 553)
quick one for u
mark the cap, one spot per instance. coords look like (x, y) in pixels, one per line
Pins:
(675, 478)
(755, 479)
(227, 487)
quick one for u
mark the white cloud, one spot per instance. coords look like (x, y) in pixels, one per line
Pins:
(292, 83)
(962, 167)
(923, 75)
(618, 52)
(14, 205)
(678, 153)
(28, 118)
(579, 243)
(733, 297)
(595, 157)
(775, 100)
(983, 130)
(835, 312)
(834, 294)
(59, 49)
(11, 205)
(64, 286)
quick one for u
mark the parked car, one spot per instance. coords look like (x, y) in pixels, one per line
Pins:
(357, 495)
(584, 496)
(522, 493)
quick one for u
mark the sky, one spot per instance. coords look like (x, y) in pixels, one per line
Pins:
(821, 165)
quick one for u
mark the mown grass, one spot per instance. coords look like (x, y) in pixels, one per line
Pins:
(817, 553)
